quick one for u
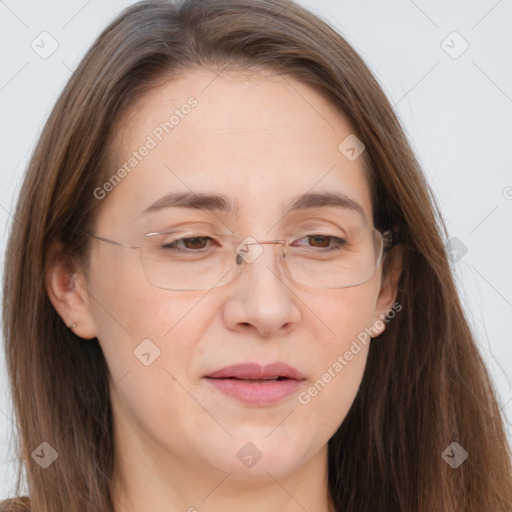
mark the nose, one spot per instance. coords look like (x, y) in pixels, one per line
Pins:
(261, 297)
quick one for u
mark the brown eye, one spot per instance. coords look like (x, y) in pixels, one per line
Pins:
(197, 242)
(326, 242)
(318, 239)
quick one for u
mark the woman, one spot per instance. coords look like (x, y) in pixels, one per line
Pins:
(227, 286)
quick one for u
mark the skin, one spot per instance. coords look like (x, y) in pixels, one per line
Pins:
(176, 437)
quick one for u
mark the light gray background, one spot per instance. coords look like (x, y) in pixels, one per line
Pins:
(456, 111)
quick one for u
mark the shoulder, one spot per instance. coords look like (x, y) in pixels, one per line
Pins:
(19, 504)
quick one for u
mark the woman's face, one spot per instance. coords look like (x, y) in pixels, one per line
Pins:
(261, 143)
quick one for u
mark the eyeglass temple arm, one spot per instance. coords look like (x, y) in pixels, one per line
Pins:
(106, 240)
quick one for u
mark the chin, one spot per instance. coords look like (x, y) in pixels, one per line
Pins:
(256, 458)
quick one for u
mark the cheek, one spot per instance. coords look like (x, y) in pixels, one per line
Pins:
(149, 328)
(143, 330)
(149, 362)
(330, 394)
(124, 303)
(335, 386)
(339, 316)
(340, 351)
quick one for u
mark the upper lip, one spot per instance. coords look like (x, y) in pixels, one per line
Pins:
(256, 371)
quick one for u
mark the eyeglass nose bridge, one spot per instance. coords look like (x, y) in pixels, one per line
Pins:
(242, 250)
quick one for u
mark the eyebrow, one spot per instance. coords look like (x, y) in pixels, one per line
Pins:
(221, 203)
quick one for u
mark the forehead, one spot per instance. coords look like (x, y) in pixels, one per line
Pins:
(261, 139)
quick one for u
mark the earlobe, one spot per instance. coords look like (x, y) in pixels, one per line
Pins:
(66, 290)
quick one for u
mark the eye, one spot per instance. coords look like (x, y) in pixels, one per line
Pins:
(192, 243)
(323, 241)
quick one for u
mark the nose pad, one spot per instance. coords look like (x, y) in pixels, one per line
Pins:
(249, 250)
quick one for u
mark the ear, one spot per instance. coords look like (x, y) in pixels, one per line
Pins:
(392, 271)
(67, 291)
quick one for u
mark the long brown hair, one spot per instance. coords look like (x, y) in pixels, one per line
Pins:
(425, 384)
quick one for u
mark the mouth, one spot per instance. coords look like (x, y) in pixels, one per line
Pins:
(257, 385)
(253, 381)
(256, 372)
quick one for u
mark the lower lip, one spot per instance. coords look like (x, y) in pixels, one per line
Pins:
(259, 393)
